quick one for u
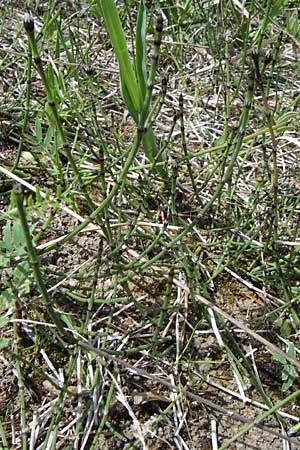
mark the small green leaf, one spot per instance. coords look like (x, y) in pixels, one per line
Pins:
(279, 358)
(28, 156)
(3, 321)
(18, 234)
(7, 236)
(288, 376)
(286, 328)
(4, 342)
(292, 351)
(22, 277)
(7, 298)
(222, 139)
(277, 8)
(48, 137)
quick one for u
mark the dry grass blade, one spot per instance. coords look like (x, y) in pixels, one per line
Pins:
(182, 391)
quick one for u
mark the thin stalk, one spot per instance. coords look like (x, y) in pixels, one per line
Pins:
(163, 311)
(160, 101)
(3, 437)
(259, 419)
(103, 184)
(105, 411)
(21, 388)
(145, 118)
(174, 177)
(274, 174)
(52, 431)
(94, 287)
(34, 261)
(27, 108)
(163, 147)
(184, 147)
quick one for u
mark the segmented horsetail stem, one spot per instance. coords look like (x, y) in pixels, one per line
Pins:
(242, 124)
(255, 58)
(164, 309)
(34, 261)
(159, 104)
(174, 177)
(272, 57)
(168, 139)
(184, 146)
(274, 172)
(29, 28)
(157, 38)
(28, 22)
(142, 125)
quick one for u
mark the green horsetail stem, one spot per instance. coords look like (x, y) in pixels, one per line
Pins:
(174, 177)
(149, 140)
(274, 173)
(184, 146)
(34, 261)
(164, 309)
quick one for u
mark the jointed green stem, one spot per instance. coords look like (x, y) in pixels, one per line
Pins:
(34, 261)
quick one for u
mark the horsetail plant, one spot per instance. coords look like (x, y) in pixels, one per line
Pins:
(136, 85)
(34, 261)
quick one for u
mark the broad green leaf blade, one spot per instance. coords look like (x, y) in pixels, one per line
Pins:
(129, 84)
(140, 44)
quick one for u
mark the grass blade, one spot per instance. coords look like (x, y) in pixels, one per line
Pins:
(129, 86)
